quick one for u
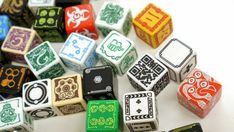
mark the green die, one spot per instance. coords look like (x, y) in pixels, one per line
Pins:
(117, 51)
(49, 24)
(44, 62)
(102, 116)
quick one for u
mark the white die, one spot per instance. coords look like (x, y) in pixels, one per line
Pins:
(179, 58)
(35, 4)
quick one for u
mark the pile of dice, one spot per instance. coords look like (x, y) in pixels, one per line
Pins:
(40, 89)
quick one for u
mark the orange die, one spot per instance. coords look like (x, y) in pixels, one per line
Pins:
(199, 93)
(80, 19)
(153, 25)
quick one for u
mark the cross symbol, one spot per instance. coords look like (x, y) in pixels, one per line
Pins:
(138, 101)
(188, 68)
(138, 111)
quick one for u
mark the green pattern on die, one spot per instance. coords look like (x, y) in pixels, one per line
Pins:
(102, 116)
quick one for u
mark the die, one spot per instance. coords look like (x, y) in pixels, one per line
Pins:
(44, 61)
(179, 58)
(37, 99)
(114, 16)
(5, 25)
(117, 51)
(80, 19)
(195, 127)
(102, 116)
(35, 4)
(67, 94)
(153, 25)
(140, 111)
(18, 12)
(199, 93)
(3, 59)
(13, 118)
(13, 78)
(67, 3)
(78, 52)
(18, 42)
(99, 83)
(148, 74)
(49, 24)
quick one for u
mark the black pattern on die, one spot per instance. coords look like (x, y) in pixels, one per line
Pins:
(161, 84)
(143, 126)
(42, 113)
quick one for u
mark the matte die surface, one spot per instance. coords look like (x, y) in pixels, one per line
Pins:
(35, 4)
(5, 25)
(13, 118)
(195, 127)
(199, 93)
(117, 51)
(179, 58)
(153, 25)
(148, 74)
(140, 111)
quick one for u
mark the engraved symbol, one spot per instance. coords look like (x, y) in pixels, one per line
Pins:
(86, 33)
(138, 101)
(43, 113)
(115, 46)
(138, 111)
(188, 68)
(77, 16)
(10, 75)
(74, 42)
(97, 79)
(12, 6)
(7, 114)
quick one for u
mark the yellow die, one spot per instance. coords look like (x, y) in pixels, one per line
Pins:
(153, 25)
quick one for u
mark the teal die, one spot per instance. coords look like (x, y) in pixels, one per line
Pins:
(117, 51)
(5, 25)
(78, 52)
(13, 118)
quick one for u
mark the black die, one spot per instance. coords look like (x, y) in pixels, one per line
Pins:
(67, 3)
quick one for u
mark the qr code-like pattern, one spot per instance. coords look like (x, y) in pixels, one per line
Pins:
(161, 84)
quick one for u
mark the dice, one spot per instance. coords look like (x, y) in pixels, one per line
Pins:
(35, 4)
(18, 11)
(67, 3)
(44, 61)
(37, 99)
(99, 83)
(13, 78)
(67, 94)
(3, 59)
(13, 118)
(103, 116)
(140, 111)
(114, 16)
(18, 42)
(195, 127)
(78, 52)
(148, 74)
(80, 19)
(5, 25)
(199, 93)
(49, 24)
(179, 58)
(153, 25)
(117, 51)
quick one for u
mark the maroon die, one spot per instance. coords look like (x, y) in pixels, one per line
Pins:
(18, 42)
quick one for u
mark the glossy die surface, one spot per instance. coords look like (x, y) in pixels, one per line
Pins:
(114, 16)
(13, 118)
(153, 25)
(37, 100)
(78, 52)
(199, 93)
(81, 19)
(49, 24)
(102, 116)
(35, 4)
(18, 42)
(140, 111)
(5, 25)
(67, 94)
(44, 62)
(148, 74)
(179, 58)
(195, 127)
(117, 51)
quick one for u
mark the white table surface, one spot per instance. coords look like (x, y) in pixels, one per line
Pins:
(207, 26)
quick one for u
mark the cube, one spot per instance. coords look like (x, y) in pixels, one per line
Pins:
(195, 127)
(179, 58)
(117, 51)
(5, 25)
(199, 93)
(114, 16)
(13, 78)
(35, 4)
(81, 19)
(102, 116)
(148, 74)
(18, 12)
(153, 25)
(18, 42)
(78, 52)
(99, 83)
(44, 62)
(67, 94)
(67, 3)
(37, 100)
(49, 24)
(140, 111)
(13, 118)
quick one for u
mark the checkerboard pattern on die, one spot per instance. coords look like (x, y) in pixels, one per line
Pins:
(5, 25)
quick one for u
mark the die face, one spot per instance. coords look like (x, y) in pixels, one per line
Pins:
(4, 26)
(34, 4)
(43, 113)
(54, 71)
(71, 108)
(188, 128)
(146, 126)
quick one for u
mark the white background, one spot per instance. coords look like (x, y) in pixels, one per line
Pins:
(207, 26)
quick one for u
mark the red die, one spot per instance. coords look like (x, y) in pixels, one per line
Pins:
(199, 93)
(81, 19)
